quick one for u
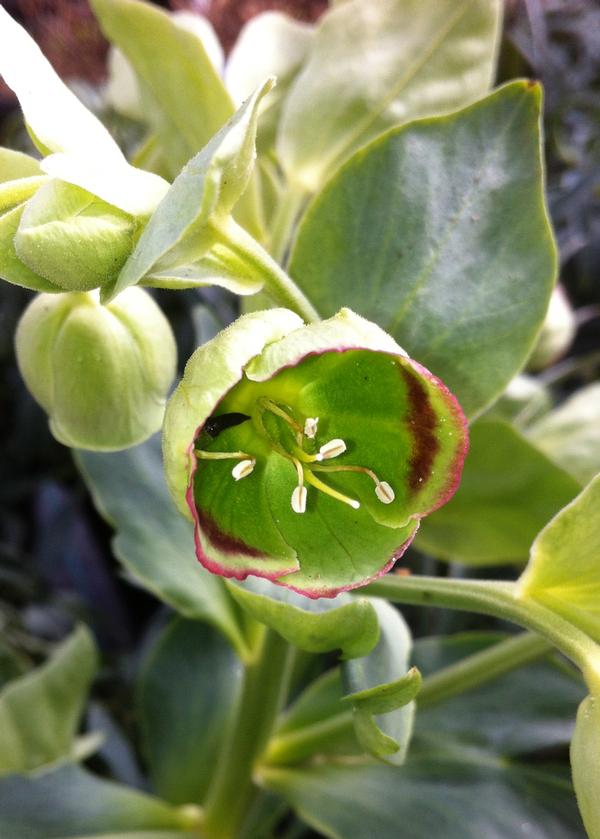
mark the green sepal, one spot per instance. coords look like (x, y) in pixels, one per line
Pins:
(194, 214)
(17, 164)
(73, 239)
(11, 268)
(585, 763)
(563, 573)
(317, 626)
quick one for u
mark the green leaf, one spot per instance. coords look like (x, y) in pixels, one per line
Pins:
(70, 802)
(81, 150)
(563, 573)
(40, 711)
(187, 686)
(316, 626)
(186, 100)
(438, 232)
(585, 761)
(457, 782)
(376, 65)
(509, 490)
(467, 796)
(570, 435)
(191, 217)
(153, 542)
(380, 689)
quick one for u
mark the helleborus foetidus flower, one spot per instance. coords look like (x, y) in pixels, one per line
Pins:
(100, 372)
(308, 454)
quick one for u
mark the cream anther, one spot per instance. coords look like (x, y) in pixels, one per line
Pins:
(384, 492)
(299, 499)
(243, 469)
(333, 448)
(310, 427)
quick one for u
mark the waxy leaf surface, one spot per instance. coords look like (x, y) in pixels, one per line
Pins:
(153, 542)
(509, 490)
(71, 802)
(564, 569)
(438, 232)
(40, 711)
(376, 65)
(186, 690)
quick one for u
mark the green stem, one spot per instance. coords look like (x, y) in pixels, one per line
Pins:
(482, 667)
(500, 600)
(264, 690)
(277, 284)
(294, 746)
(287, 211)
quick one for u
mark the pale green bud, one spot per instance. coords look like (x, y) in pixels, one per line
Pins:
(101, 372)
(72, 238)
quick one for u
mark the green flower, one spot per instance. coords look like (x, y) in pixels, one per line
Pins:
(308, 454)
(100, 372)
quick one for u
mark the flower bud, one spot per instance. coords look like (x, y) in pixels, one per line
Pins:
(557, 333)
(100, 372)
(327, 506)
(72, 238)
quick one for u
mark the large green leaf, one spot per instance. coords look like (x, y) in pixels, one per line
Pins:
(380, 689)
(374, 65)
(458, 782)
(438, 232)
(509, 490)
(70, 802)
(563, 573)
(464, 796)
(344, 623)
(186, 689)
(188, 101)
(570, 435)
(40, 711)
(153, 541)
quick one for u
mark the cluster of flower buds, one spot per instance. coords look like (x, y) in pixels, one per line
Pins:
(340, 444)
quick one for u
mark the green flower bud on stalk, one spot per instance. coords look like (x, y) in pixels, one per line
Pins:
(101, 372)
(72, 238)
(308, 454)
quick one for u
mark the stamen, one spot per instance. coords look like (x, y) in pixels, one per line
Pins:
(243, 469)
(299, 499)
(299, 493)
(312, 479)
(310, 427)
(384, 492)
(333, 448)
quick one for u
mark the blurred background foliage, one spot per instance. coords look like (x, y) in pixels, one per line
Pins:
(55, 560)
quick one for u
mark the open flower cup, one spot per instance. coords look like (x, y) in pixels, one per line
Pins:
(308, 454)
